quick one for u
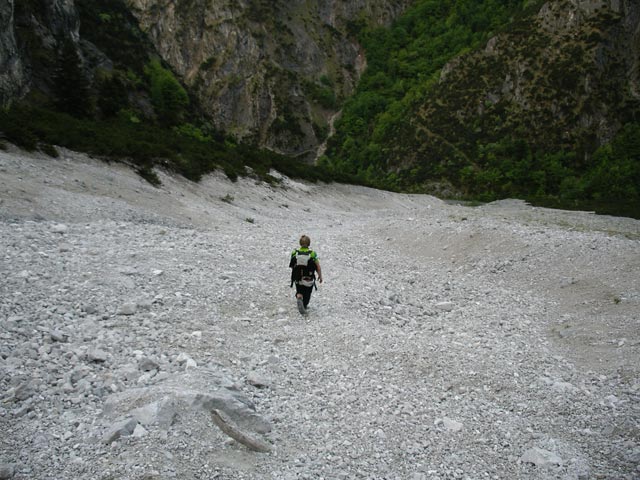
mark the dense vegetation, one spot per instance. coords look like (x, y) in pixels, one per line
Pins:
(402, 63)
(399, 130)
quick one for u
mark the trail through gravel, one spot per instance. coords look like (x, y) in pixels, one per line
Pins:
(447, 342)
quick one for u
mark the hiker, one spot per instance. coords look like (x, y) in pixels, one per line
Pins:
(304, 264)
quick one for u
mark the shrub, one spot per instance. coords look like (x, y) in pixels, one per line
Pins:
(50, 150)
(149, 175)
(71, 86)
(169, 98)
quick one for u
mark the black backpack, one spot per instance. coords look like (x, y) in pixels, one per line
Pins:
(303, 268)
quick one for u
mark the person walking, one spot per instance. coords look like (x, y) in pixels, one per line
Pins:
(304, 265)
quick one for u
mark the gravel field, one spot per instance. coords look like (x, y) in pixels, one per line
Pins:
(447, 342)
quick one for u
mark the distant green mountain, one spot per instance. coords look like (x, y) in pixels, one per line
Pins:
(499, 98)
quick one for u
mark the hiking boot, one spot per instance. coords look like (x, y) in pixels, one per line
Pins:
(301, 308)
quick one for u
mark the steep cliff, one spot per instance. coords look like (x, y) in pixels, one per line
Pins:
(272, 72)
(13, 79)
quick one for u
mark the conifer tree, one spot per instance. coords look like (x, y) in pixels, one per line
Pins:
(71, 87)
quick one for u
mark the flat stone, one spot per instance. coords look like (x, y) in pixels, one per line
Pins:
(97, 355)
(451, 425)
(128, 309)
(540, 457)
(60, 228)
(445, 306)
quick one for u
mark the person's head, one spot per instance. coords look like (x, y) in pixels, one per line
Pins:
(305, 241)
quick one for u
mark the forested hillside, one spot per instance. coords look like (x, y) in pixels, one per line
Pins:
(499, 98)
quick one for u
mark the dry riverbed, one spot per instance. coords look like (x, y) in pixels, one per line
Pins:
(447, 342)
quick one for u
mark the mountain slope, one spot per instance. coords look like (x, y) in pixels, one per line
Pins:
(519, 115)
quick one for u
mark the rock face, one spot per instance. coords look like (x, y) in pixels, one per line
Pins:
(29, 41)
(566, 78)
(267, 71)
(12, 75)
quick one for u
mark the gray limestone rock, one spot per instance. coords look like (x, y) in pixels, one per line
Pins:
(97, 356)
(25, 391)
(58, 336)
(7, 471)
(540, 457)
(445, 306)
(60, 228)
(449, 424)
(257, 380)
(146, 364)
(128, 309)
(234, 404)
(120, 429)
(161, 413)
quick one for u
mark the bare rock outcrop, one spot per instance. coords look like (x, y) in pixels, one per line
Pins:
(272, 72)
(12, 75)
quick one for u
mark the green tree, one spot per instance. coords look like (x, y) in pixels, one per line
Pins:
(403, 66)
(169, 98)
(70, 85)
(112, 94)
(616, 171)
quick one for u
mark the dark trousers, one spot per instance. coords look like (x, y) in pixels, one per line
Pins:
(306, 293)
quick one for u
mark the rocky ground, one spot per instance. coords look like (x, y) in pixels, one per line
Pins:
(447, 342)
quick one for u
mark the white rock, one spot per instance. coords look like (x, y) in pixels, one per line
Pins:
(257, 380)
(97, 355)
(451, 425)
(183, 358)
(563, 387)
(128, 309)
(139, 431)
(540, 457)
(147, 364)
(119, 429)
(161, 413)
(445, 306)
